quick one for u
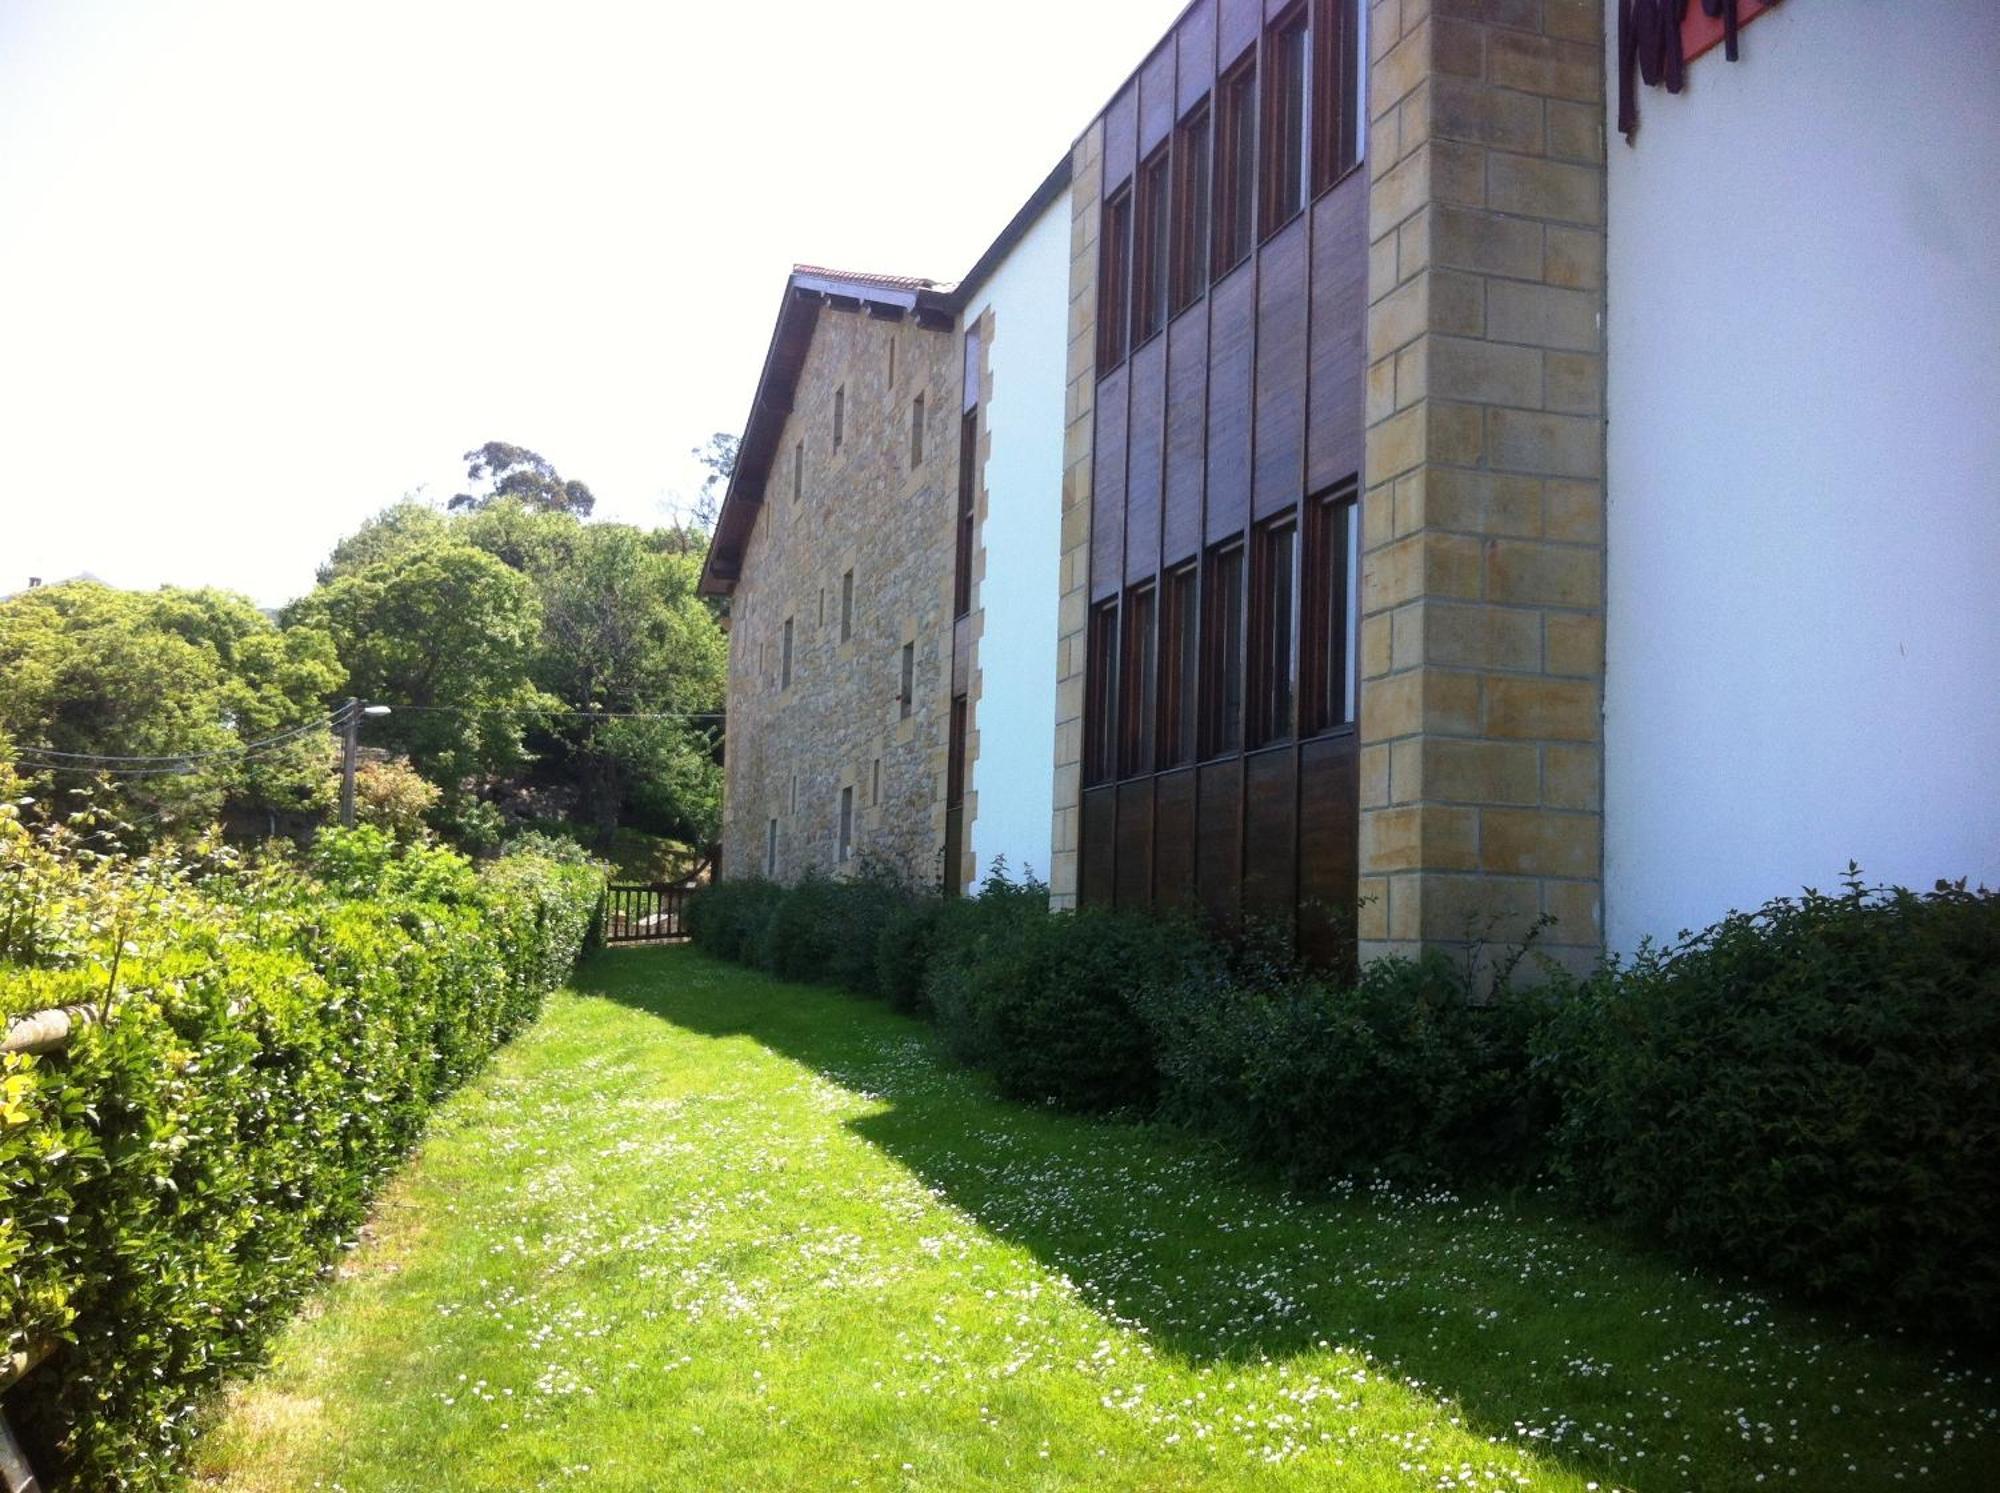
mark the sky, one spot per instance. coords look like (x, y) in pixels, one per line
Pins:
(266, 268)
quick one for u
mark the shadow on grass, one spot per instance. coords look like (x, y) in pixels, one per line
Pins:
(1541, 1328)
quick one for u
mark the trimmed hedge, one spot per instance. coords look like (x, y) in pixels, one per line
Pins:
(1810, 1092)
(176, 1178)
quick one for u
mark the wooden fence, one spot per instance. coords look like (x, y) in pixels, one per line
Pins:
(653, 913)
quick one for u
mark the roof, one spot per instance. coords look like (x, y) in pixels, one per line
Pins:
(810, 289)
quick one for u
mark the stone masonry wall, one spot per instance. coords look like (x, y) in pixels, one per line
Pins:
(1483, 513)
(863, 508)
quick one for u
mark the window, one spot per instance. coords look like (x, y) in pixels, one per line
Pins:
(968, 481)
(1100, 745)
(847, 607)
(1137, 705)
(785, 658)
(822, 607)
(1235, 165)
(908, 694)
(798, 471)
(875, 788)
(953, 867)
(954, 771)
(1285, 162)
(892, 360)
(1326, 638)
(771, 848)
(1180, 665)
(794, 801)
(1222, 651)
(917, 431)
(1149, 301)
(1114, 279)
(1191, 189)
(846, 825)
(839, 415)
(1336, 95)
(1274, 636)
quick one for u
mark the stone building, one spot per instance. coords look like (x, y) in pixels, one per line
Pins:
(1402, 478)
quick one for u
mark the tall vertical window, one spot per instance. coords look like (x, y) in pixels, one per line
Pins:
(1149, 296)
(1100, 706)
(1336, 92)
(1191, 195)
(1180, 666)
(1326, 637)
(793, 801)
(1222, 651)
(954, 798)
(839, 415)
(1114, 278)
(846, 852)
(968, 484)
(875, 784)
(1138, 680)
(785, 658)
(907, 695)
(1285, 153)
(1274, 605)
(892, 360)
(847, 607)
(917, 431)
(798, 471)
(1235, 164)
(771, 848)
(822, 607)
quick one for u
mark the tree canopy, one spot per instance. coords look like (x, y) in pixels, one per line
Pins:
(524, 476)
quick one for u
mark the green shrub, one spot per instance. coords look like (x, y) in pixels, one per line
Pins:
(728, 918)
(1810, 1091)
(826, 930)
(175, 1179)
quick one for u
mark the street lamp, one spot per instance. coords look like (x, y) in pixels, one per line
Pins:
(350, 750)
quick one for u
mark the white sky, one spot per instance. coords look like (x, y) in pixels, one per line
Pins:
(265, 266)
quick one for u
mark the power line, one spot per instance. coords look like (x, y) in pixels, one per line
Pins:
(290, 733)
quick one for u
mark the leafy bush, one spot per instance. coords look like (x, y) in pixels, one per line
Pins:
(1811, 1091)
(392, 795)
(175, 1179)
(728, 918)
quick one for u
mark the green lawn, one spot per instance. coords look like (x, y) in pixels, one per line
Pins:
(699, 1230)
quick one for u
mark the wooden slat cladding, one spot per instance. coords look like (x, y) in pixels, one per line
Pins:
(1329, 850)
(1238, 25)
(1194, 42)
(1100, 837)
(1281, 371)
(1121, 137)
(1187, 397)
(1219, 842)
(1231, 350)
(1144, 458)
(1339, 317)
(1270, 829)
(1107, 512)
(1173, 839)
(1133, 872)
(1156, 98)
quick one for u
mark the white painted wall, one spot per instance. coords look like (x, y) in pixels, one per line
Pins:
(1015, 717)
(1804, 465)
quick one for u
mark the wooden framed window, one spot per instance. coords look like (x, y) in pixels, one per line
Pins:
(1287, 48)
(906, 695)
(1330, 570)
(1222, 650)
(1100, 705)
(1114, 279)
(839, 415)
(1235, 165)
(954, 799)
(968, 484)
(1274, 636)
(917, 431)
(1138, 703)
(1150, 235)
(846, 851)
(1336, 90)
(1180, 666)
(1192, 148)
(847, 607)
(785, 658)
(798, 471)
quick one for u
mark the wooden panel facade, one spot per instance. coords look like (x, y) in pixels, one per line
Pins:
(1213, 433)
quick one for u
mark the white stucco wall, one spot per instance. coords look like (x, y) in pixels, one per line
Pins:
(1013, 775)
(1804, 465)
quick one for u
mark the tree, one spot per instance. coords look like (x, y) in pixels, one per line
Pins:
(718, 454)
(400, 526)
(525, 476)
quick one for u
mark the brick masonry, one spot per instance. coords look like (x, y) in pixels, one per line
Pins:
(1483, 508)
(864, 508)
(1087, 171)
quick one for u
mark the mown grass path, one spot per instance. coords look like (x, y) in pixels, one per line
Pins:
(697, 1230)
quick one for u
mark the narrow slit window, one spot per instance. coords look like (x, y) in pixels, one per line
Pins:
(968, 496)
(847, 607)
(798, 471)
(1235, 166)
(771, 848)
(1191, 199)
(1114, 279)
(1138, 703)
(1180, 665)
(839, 415)
(1222, 651)
(1100, 716)
(907, 695)
(1327, 631)
(1149, 306)
(1274, 641)
(1285, 155)
(785, 658)
(875, 785)
(846, 825)
(892, 360)
(917, 431)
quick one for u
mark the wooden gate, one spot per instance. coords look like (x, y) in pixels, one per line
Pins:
(653, 913)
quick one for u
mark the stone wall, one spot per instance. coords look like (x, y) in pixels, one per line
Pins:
(1483, 513)
(864, 508)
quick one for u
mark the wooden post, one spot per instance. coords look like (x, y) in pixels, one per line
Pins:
(350, 749)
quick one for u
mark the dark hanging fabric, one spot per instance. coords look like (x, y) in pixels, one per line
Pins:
(1649, 40)
(1727, 10)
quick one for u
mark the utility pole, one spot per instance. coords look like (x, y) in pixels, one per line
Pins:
(350, 750)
